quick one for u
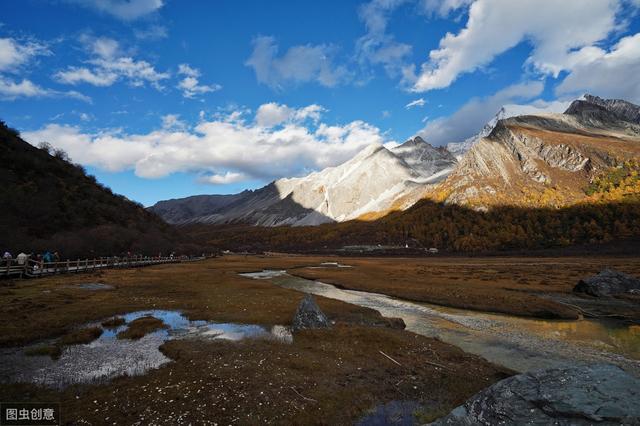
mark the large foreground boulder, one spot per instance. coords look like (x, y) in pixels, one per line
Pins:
(599, 394)
(309, 315)
(608, 283)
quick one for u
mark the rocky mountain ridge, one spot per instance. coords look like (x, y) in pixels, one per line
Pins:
(536, 159)
(373, 181)
(458, 149)
(544, 159)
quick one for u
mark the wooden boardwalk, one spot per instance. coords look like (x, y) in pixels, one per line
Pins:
(32, 268)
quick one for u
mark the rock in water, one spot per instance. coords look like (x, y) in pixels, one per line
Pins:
(309, 315)
(600, 394)
(607, 283)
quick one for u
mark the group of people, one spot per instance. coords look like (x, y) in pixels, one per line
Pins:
(22, 258)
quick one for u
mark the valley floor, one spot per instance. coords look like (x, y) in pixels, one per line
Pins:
(332, 376)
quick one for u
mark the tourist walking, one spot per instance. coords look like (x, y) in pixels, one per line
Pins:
(22, 258)
(7, 258)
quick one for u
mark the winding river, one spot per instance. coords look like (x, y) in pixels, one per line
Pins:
(521, 344)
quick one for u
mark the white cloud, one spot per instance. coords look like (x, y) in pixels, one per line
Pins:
(75, 75)
(110, 65)
(11, 90)
(154, 32)
(377, 47)
(127, 10)
(614, 73)
(14, 54)
(223, 179)
(299, 64)
(85, 117)
(473, 115)
(103, 47)
(273, 114)
(230, 144)
(417, 103)
(442, 8)
(172, 121)
(555, 30)
(190, 84)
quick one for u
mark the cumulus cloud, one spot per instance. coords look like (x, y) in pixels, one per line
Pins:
(473, 115)
(11, 89)
(299, 64)
(223, 179)
(417, 103)
(554, 29)
(172, 121)
(614, 73)
(126, 10)
(273, 114)
(109, 65)
(223, 149)
(377, 47)
(77, 75)
(442, 8)
(190, 84)
(14, 54)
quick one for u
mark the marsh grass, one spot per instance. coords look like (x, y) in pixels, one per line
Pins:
(54, 351)
(142, 326)
(82, 336)
(113, 322)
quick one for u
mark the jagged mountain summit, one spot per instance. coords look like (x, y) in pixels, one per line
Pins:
(375, 181)
(545, 159)
(622, 109)
(458, 149)
(426, 159)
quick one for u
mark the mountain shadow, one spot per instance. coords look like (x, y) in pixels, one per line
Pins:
(448, 227)
(267, 206)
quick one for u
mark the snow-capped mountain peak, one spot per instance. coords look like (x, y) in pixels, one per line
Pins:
(374, 181)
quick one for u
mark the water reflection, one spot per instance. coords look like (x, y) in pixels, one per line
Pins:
(108, 356)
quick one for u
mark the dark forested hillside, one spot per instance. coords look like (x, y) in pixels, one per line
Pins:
(611, 213)
(47, 203)
(447, 227)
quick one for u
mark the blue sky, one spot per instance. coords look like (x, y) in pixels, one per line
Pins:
(165, 98)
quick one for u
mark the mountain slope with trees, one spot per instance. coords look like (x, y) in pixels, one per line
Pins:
(48, 203)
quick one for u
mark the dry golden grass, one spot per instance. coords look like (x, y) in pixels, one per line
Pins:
(509, 285)
(328, 376)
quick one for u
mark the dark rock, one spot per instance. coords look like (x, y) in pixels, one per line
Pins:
(622, 109)
(309, 315)
(607, 283)
(585, 395)
(395, 323)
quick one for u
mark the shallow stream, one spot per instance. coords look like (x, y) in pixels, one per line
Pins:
(517, 343)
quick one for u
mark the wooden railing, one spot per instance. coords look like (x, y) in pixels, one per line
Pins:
(38, 268)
